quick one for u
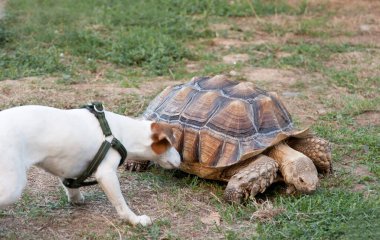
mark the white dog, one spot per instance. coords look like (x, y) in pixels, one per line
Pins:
(64, 142)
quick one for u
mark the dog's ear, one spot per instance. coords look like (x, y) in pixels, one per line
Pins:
(162, 136)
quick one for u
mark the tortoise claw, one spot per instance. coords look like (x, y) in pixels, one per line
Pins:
(232, 195)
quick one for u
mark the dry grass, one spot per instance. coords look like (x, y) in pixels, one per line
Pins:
(185, 207)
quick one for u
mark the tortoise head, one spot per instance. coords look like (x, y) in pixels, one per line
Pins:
(303, 175)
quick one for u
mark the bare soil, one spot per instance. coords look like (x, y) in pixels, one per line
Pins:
(199, 218)
(371, 118)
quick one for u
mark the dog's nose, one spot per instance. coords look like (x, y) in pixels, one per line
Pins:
(175, 158)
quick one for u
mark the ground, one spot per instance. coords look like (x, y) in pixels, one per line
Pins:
(321, 57)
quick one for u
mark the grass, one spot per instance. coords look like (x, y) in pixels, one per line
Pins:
(329, 214)
(60, 38)
(148, 35)
(359, 142)
(308, 56)
(128, 44)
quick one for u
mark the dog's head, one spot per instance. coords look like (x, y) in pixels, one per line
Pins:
(162, 145)
(153, 141)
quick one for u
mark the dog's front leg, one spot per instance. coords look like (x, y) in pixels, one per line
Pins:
(110, 184)
(73, 194)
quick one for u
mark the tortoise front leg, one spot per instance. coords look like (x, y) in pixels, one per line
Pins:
(317, 149)
(137, 165)
(251, 179)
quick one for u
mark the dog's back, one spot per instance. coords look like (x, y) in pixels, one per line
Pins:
(48, 137)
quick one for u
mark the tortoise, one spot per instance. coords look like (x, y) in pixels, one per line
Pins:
(238, 133)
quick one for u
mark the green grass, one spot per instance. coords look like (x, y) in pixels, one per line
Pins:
(132, 42)
(39, 38)
(329, 214)
(308, 56)
(312, 27)
(241, 8)
(334, 211)
(53, 38)
(360, 143)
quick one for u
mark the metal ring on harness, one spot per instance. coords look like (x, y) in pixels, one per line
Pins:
(96, 108)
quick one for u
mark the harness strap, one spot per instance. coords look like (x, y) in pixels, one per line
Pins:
(98, 110)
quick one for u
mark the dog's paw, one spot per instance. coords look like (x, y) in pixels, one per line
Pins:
(77, 199)
(144, 220)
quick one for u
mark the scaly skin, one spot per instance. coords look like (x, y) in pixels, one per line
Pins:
(251, 179)
(137, 165)
(317, 149)
(297, 169)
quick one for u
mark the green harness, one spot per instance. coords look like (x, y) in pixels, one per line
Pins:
(98, 110)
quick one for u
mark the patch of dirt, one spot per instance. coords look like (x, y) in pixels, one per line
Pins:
(360, 18)
(156, 85)
(41, 216)
(273, 76)
(211, 218)
(235, 58)
(228, 43)
(359, 188)
(41, 181)
(46, 91)
(370, 118)
(219, 26)
(347, 24)
(358, 170)
(362, 171)
(367, 62)
(193, 67)
(2, 8)
(266, 212)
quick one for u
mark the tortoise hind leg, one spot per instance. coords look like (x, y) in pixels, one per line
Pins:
(316, 148)
(251, 179)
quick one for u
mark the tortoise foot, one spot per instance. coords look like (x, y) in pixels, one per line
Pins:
(234, 195)
(136, 165)
(317, 149)
(251, 179)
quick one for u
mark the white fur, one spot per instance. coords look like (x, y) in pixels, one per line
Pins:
(63, 142)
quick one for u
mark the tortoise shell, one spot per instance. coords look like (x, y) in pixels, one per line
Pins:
(218, 123)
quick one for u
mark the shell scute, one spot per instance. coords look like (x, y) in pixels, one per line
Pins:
(190, 145)
(233, 119)
(243, 90)
(269, 118)
(175, 103)
(201, 109)
(178, 133)
(230, 154)
(215, 83)
(210, 147)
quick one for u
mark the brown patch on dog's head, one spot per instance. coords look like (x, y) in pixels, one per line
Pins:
(162, 136)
